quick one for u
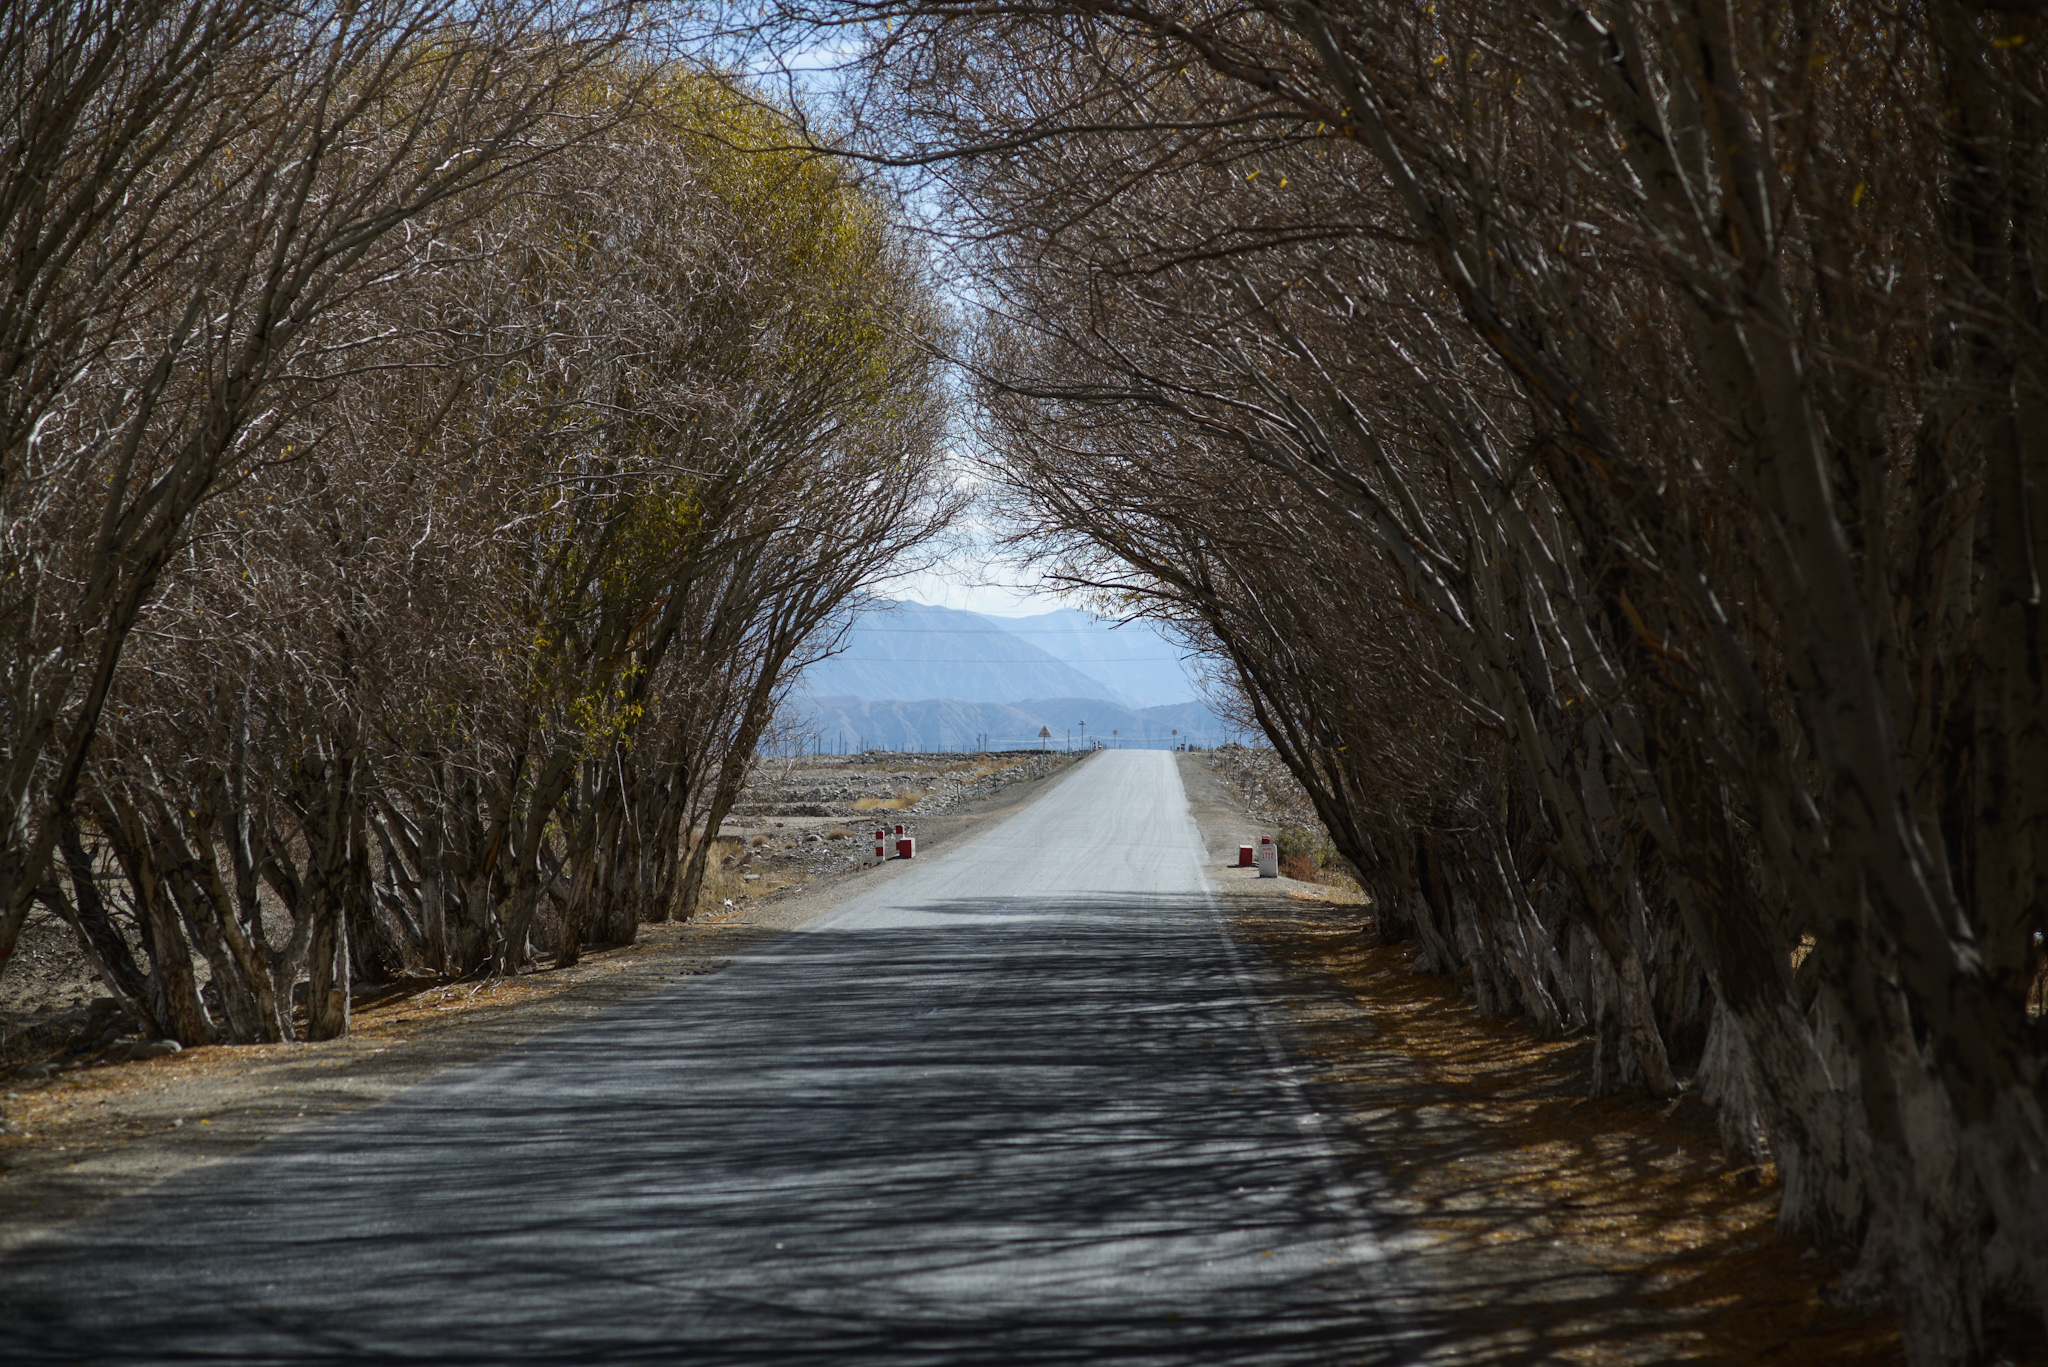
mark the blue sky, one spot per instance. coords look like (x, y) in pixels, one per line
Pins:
(954, 590)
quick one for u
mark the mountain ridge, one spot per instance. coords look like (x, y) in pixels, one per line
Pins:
(913, 651)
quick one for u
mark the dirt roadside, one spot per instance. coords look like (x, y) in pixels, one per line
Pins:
(1552, 1228)
(84, 1138)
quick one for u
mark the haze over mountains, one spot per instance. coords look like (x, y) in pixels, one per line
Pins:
(931, 724)
(917, 677)
(911, 650)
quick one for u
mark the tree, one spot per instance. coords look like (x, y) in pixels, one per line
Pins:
(193, 189)
(631, 425)
(1693, 416)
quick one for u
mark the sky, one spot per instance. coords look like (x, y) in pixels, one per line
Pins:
(968, 594)
(970, 577)
(968, 580)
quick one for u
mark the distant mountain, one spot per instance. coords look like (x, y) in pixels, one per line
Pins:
(932, 724)
(1136, 660)
(912, 651)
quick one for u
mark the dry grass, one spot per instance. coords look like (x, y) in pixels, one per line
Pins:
(905, 797)
(1303, 868)
(1492, 1148)
(723, 880)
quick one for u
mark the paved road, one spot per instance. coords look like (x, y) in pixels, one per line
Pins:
(1014, 1107)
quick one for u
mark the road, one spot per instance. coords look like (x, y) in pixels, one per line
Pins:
(1016, 1106)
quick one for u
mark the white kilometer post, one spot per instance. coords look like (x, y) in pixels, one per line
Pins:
(1269, 857)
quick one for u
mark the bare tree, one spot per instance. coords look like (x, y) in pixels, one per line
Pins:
(619, 434)
(1695, 416)
(192, 189)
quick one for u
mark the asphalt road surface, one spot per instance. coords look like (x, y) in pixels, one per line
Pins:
(1017, 1106)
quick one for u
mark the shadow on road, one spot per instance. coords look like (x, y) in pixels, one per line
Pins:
(1002, 1130)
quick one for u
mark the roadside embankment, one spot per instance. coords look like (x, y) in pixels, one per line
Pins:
(1559, 1229)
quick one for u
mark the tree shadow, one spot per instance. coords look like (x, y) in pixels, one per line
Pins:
(1005, 1130)
(1550, 1227)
